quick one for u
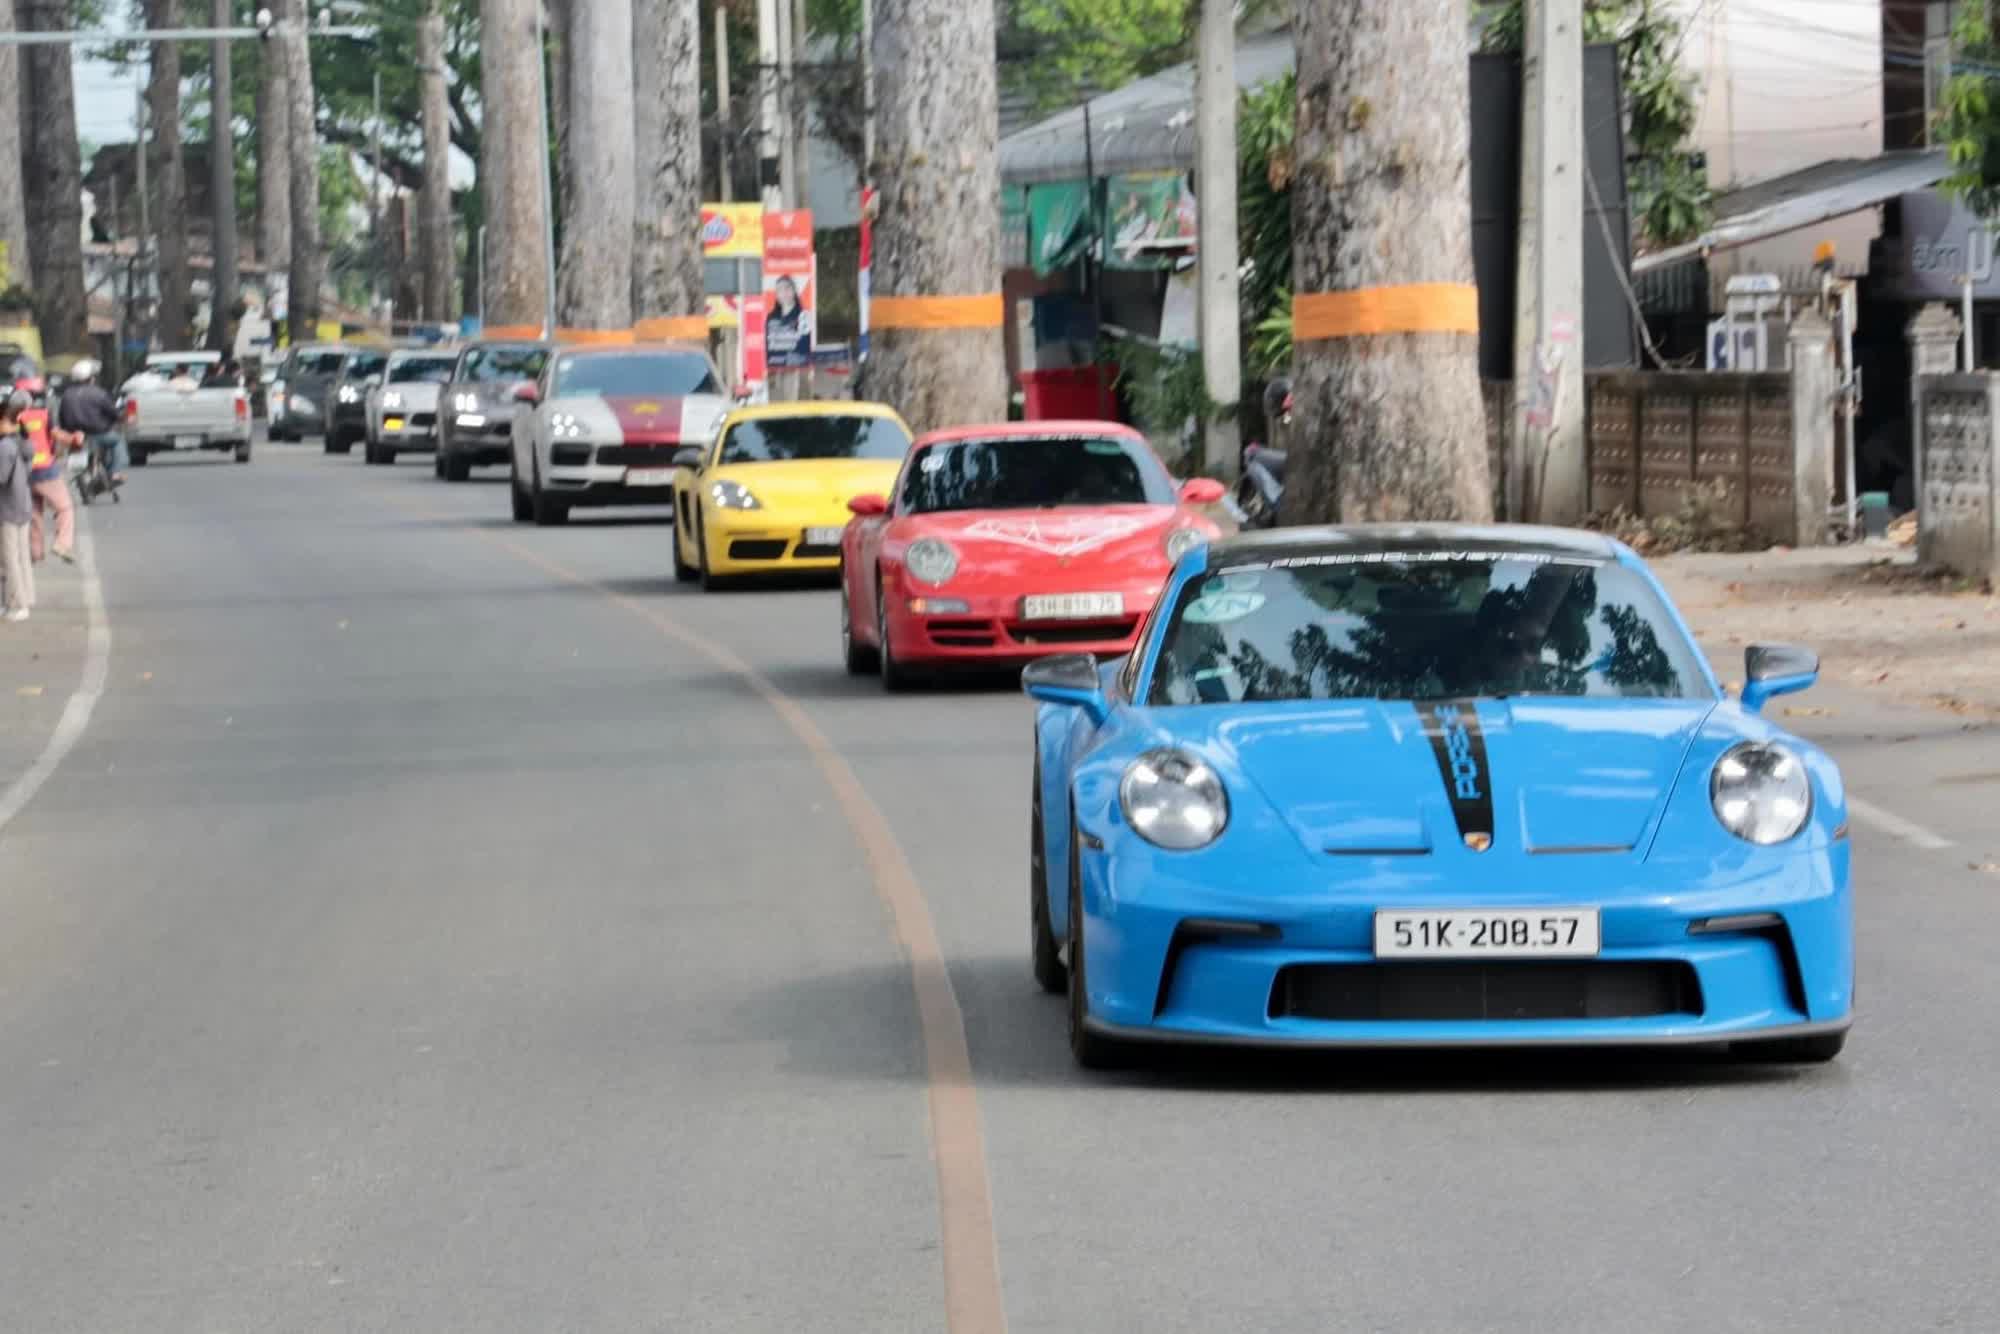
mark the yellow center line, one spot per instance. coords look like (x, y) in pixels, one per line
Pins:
(973, 1303)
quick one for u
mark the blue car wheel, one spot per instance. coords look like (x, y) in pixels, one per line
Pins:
(1050, 973)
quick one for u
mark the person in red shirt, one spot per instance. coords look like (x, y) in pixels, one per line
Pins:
(50, 487)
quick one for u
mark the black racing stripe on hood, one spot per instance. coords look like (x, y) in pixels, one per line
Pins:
(1460, 747)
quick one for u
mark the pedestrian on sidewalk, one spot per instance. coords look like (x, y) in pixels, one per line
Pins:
(50, 487)
(17, 452)
(90, 411)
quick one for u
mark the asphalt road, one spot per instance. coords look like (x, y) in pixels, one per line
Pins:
(448, 925)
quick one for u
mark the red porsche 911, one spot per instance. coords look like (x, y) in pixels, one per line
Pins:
(1001, 544)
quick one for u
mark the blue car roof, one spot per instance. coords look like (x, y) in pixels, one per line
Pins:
(1363, 538)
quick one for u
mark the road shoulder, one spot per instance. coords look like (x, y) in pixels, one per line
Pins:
(52, 670)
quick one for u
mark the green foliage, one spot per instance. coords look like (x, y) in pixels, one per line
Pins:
(1165, 388)
(1671, 197)
(1968, 117)
(1264, 124)
(1096, 44)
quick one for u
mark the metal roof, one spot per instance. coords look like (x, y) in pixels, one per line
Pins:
(1786, 203)
(1148, 125)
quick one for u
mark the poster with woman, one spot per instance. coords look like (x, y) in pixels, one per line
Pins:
(788, 290)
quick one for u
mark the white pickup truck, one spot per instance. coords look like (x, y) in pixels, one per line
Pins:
(179, 401)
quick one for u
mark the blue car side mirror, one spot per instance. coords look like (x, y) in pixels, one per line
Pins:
(1770, 670)
(1068, 678)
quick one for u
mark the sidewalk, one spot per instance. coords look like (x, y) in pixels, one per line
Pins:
(41, 663)
(1878, 623)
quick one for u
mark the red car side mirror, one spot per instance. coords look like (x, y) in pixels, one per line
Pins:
(527, 392)
(1202, 491)
(868, 507)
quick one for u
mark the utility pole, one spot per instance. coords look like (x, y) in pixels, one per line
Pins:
(770, 176)
(801, 122)
(1215, 191)
(378, 252)
(548, 171)
(725, 169)
(788, 149)
(867, 92)
(1548, 478)
(222, 187)
(147, 289)
(434, 234)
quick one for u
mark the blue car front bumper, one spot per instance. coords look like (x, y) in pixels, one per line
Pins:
(1216, 949)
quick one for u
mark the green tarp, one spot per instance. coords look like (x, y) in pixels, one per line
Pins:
(1058, 224)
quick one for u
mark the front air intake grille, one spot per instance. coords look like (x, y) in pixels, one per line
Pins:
(569, 456)
(1451, 992)
(637, 456)
(752, 548)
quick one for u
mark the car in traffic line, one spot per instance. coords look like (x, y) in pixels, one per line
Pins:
(305, 379)
(1001, 544)
(402, 409)
(1433, 785)
(347, 402)
(477, 416)
(183, 401)
(602, 425)
(770, 495)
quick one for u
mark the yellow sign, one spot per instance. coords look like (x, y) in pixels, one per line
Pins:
(732, 231)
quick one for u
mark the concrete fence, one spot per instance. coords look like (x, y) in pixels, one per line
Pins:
(1957, 418)
(1758, 445)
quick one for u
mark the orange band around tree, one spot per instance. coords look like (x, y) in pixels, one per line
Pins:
(1410, 308)
(512, 331)
(987, 311)
(673, 328)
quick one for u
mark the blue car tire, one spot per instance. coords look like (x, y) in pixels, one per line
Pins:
(1050, 973)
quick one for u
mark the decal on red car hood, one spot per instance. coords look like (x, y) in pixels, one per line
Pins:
(1061, 535)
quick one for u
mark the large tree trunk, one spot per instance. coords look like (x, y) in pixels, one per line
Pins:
(1386, 374)
(52, 177)
(595, 285)
(666, 251)
(512, 157)
(307, 263)
(170, 224)
(13, 205)
(222, 186)
(937, 235)
(274, 169)
(434, 238)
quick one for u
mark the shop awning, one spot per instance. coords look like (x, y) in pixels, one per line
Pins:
(1147, 125)
(1802, 198)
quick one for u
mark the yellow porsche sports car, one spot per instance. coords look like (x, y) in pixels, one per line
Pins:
(769, 495)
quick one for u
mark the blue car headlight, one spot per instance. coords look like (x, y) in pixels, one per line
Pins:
(1174, 800)
(1761, 793)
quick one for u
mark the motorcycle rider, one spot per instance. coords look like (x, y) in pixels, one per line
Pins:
(90, 411)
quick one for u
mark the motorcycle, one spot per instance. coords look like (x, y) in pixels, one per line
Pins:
(1262, 483)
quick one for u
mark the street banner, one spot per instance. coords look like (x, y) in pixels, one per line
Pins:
(733, 233)
(1058, 224)
(1150, 220)
(867, 263)
(789, 298)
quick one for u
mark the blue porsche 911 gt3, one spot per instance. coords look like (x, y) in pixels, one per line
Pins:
(1433, 785)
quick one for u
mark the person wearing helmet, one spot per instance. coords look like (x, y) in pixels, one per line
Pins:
(50, 487)
(17, 451)
(92, 413)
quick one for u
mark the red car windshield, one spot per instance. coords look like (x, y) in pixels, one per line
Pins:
(1029, 472)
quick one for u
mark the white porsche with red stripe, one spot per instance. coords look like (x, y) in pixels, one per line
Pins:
(601, 425)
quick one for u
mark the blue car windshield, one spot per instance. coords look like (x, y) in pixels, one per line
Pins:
(1415, 626)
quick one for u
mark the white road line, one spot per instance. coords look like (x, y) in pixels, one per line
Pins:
(76, 714)
(1895, 825)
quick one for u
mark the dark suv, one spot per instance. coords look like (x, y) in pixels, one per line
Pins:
(300, 389)
(476, 410)
(347, 397)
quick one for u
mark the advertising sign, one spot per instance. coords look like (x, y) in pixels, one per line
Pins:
(1150, 220)
(789, 299)
(1058, 230)
(732, 231)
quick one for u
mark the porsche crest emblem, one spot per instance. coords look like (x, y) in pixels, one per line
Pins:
(1479, 842)
(647, 409)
